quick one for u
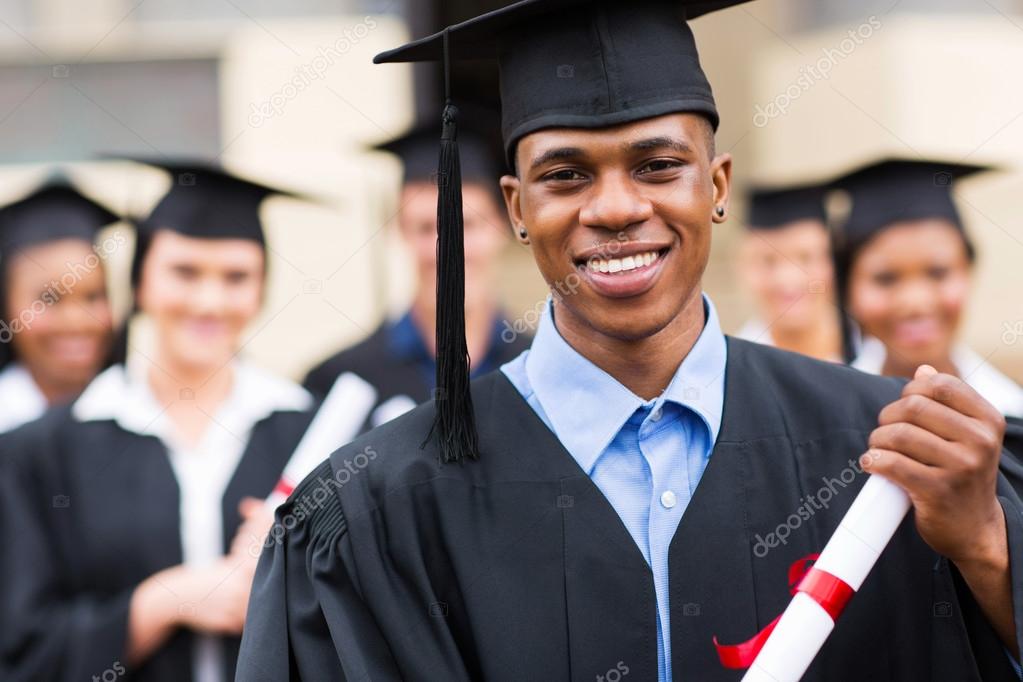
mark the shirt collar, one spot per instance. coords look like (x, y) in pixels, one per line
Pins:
(20, 397)
(123, 395)
(407, 342)
(587, 407)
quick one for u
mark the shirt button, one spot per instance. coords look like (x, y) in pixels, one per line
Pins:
(668, 499)
(656, 415)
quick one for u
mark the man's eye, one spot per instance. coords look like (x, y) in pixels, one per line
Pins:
(564, 175)
(659, 165)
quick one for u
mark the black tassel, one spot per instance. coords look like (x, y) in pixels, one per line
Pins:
(454, 422)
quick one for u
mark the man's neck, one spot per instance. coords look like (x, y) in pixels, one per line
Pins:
(645, 366)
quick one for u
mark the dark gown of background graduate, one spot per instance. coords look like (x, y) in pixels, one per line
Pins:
(516, 567)
(395, 358)
(92, 500)
(88, 510)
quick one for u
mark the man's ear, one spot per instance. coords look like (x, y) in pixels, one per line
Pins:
(510, 186)
(721, 176)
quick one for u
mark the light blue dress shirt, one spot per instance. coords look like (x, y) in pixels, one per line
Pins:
(645, 456)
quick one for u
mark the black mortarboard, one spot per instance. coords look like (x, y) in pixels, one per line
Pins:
(206, 201)
(771, 209)
(417, 150)
(577, 64)
(895, 191)
(55, 210)
(563, 63)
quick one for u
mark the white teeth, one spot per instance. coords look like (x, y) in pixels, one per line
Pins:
(610, 265)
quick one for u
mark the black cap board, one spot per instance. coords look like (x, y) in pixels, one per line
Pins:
(53, 211)
(771, 209)
(562, 63)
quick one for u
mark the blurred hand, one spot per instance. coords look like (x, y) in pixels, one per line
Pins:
(941, 442)
(256, 524)
(214, 599)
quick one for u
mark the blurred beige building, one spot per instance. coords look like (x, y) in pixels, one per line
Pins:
(287, 92)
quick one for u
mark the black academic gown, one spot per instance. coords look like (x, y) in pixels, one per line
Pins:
(394, 375)
(516, 567)
(87, 512)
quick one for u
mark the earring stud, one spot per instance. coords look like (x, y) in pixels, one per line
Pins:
(720, 210)
(523, 233)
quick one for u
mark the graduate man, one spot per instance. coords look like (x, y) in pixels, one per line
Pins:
(636, 483)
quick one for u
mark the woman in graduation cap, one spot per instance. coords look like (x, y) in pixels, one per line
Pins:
(129, 524)
(56, 328)
(905, 265)
(398, 359)
(785, 262)
(636, 483)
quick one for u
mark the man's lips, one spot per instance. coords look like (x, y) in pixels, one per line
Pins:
(627, 269)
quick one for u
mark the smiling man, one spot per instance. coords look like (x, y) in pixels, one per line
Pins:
(636, 483)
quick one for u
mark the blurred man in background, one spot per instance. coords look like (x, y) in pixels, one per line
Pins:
(398, 359)
(785, 263)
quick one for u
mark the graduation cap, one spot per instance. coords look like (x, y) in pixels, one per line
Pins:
(563, 63)
(894, 191)
(204, 201)
(53, 211)
(771, 209)
(417, 150)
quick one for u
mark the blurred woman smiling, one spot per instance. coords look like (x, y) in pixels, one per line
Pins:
(56, 329)
(905, 268)
(164, 463)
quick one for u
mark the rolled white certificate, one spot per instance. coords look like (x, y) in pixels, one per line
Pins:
(341, 415)
(849, 555)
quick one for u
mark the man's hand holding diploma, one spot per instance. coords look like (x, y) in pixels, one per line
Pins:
(941, 443)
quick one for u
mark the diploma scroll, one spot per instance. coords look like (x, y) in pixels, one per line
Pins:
(341, 415)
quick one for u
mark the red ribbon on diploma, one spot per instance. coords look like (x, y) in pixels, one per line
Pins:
(284, 487)
(830, 592)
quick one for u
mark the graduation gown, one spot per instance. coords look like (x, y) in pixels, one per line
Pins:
(88, 510)
(400, 370)
(515, 567)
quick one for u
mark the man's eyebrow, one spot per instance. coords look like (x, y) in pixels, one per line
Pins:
(555, 154)
(662, 142)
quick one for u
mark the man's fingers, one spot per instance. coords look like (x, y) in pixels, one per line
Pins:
(916, 442)
(931, 415)
(903, 471)
(949, 390)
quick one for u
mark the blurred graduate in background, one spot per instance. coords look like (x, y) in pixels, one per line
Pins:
(56, 329)
(398, 359)
(129, 515)
(905, 263)
(785, 263)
